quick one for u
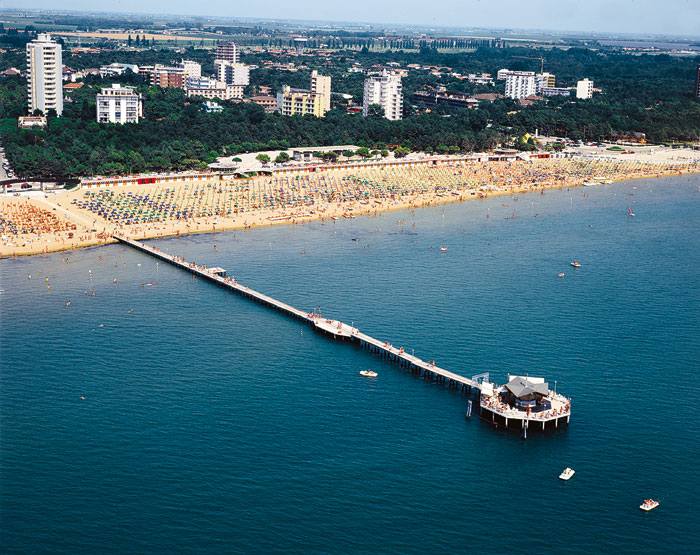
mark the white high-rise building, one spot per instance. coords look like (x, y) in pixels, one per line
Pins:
(44, 75)
(119, 105)
(520, 84)
(386, 91)
(192, 69)
(584, 89)
(231, 73)
(321, 85)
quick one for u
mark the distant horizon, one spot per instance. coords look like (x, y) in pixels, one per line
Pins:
(597, 17)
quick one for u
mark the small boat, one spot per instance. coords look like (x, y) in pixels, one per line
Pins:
(368, 373)
(560, 274)
(629, 211)
(443, 249)
(576, 264)
(649, 504)
(567, 474)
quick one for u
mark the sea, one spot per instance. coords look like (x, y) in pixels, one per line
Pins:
(163, 414)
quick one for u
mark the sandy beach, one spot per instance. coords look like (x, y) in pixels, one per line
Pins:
(81, 217)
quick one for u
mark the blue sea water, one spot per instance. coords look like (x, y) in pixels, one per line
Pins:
(213, 424)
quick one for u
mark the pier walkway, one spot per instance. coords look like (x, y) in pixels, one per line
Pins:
(490, 403)
(334, 328)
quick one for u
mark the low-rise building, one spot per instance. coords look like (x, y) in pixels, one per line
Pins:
(480, 78)
(266, 101)
(211, 107)
(555, 91)
(115, 69)
(70, 87)
(446, 98)
(490, 97)
(118, 104)
(202, 83)
(27, 122)
(222, 92)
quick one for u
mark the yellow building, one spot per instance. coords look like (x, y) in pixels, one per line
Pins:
(292, 102)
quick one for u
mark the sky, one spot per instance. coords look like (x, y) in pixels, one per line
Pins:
(670, 17)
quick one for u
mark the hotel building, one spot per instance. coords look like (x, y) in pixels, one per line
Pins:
(584, 89)
(119, 105)
(520, 84)
(44, 75)
(386, 91)
(321, 84)
(228, 51)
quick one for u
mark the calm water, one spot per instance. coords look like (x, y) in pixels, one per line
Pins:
(211, 424)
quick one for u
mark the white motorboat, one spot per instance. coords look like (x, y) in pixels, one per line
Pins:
(443, 249)
(567, 474)
(368, 373)
(649, 504)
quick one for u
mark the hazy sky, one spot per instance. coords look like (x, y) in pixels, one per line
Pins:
(677, 17)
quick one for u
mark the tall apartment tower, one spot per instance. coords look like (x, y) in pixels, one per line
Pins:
(520, 84)
(321, 85)
(386, 91)
(228, 51)
(44, 75)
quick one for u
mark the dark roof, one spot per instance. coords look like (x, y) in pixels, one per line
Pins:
(520, 387)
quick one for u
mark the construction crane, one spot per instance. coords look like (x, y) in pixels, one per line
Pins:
(541, 59)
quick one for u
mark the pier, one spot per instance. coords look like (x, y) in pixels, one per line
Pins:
(489, 407)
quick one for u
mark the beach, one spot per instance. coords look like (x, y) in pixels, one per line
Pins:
(82, 217)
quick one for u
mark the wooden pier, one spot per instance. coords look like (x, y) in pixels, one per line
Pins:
(333, 328)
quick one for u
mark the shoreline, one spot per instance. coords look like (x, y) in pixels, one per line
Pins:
(328, 211)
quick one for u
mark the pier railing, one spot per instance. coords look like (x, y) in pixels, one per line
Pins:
(334, 328)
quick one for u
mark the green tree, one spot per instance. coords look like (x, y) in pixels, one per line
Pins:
(363, 152)
(263, 158)
(375, 111)
(282, 158)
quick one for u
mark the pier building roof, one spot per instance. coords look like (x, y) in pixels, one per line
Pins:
(521, 386)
